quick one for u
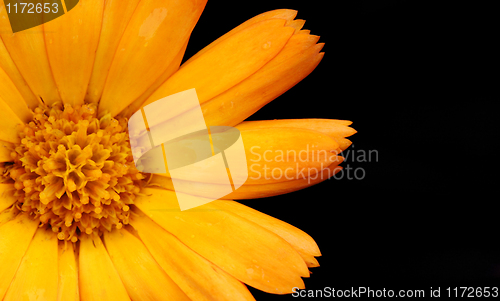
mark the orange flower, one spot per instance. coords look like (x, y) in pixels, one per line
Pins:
(79, 221)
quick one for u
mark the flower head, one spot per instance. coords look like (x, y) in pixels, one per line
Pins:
(78, 220)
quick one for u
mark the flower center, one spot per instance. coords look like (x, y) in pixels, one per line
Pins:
(74, 171)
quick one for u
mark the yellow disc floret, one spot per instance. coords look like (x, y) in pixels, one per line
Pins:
(74, 171)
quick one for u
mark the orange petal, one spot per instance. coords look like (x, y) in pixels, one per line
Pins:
(143, 278)
(5, 150)
(299, 240)
(37, 276)
(197, 277)
(13, 98)
(297, 60)
(7, 197)
(27, 50)
(241, 248)
(136, 105)
(147, 48)
(15, 238)
(71, 46)
(277, 155)
(116, 17)
(226, 64)
(246, 191)
(337, 129)
(98, 278)
(9, 123)
(310, 260)
(8, 66)
(296, 24)
(8, 215)
(68, 273)
(273, 189)
(285, 14)
(285, 154)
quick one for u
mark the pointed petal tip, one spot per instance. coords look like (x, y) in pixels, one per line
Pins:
(350, 131)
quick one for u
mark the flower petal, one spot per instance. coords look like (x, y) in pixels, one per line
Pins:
(8, 215)
(9, 123)
(239, 247)
(197, 277)
(116, 17)
(11, 96)
(310, 260)
(273, 189)
(337, 129)
(8, 66)
(276, 155)
(5, 150)
(295, 61)
(147, 48)
(98, 277)
(142, 276)
(15, 238)
(246, 191)
(7, 197)
(285, 14)
(37, 276)
(299, 240)
(284, 154)
(68, 273)
(71, 47)
(136, 104)
(27, 50)
(226, 64)
(298, 59)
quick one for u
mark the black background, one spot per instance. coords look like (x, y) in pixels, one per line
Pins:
(419, 81)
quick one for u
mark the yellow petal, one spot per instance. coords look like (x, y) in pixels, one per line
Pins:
(8, 66)
(8, 215)
(297, 60)
(15, 238)
(153, 38)
(285, 154)
(37, 276)
(296, 24)
(310, 260)
(7, 197)
(277, 155)
(68, 273)
(27, 50)
(226, 64)
(241, 248)
(285, 14)
(11, 96)
(337, 129)
(197, 277)
(143, 278)
(299, 240)
(273, 189)
(246, 191)
(9, 123)
(5, 150)
(98, 278)
(136, 104)
(116, 16)
(71, 46)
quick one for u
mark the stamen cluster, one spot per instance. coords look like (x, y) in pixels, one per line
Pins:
(74, 171)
